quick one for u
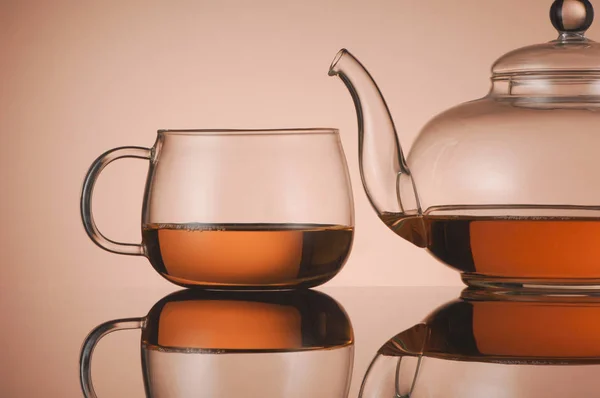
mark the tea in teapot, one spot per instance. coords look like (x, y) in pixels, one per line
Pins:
(534, 247)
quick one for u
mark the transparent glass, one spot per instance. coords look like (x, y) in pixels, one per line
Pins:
(292, 344)
(494, 345)
(239, 208)
(502, 189)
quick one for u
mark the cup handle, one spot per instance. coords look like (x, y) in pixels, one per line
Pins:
(88, 190)
(85, 371)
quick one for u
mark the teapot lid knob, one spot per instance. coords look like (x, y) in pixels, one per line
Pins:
(571, 16)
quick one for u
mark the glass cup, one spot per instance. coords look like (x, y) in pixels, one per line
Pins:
(211, 344)
(239, 208)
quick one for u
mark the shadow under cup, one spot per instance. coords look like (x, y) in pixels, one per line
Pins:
(245, 209)
(227, 344)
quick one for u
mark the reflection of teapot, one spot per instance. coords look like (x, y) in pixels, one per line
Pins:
(504, 188)
(225, 344)
(493, 345)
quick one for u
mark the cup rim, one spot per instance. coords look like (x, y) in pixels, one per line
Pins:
(250, 132)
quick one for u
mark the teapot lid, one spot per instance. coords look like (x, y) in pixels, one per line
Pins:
(570, 53)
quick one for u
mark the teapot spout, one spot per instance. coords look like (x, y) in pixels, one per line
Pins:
(384, 172)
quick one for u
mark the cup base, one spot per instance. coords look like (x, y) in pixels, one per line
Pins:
(293, 284)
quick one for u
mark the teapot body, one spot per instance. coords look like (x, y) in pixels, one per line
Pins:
(505, 192)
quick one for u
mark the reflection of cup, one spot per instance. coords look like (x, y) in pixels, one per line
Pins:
(493, 345)
(227, 344)
(239, 208)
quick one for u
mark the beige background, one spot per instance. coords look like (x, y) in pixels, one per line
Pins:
(80, 77)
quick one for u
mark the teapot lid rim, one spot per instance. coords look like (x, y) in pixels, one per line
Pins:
(577, 56)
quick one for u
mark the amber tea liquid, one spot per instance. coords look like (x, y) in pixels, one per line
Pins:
(540, 247)
(246, 255)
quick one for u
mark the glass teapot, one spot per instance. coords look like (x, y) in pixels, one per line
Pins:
(503, 188)
(494, 345)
